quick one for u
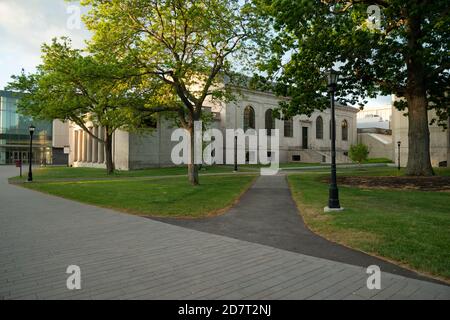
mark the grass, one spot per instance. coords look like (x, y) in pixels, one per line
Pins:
(409, 227)
(378, 160)
(168, 197)
(52, 173)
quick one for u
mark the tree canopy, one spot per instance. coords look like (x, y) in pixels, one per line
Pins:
(404, 53)
(184, 45)
(80, 88)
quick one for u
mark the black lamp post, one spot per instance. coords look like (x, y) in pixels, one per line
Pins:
(333, 200)
(30, 154)
(399, 144)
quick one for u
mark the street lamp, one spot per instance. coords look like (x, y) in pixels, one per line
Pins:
(399, 144)
(333, 200)
(30, 154)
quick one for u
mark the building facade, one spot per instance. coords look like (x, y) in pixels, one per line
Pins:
(439, 139)
(15, 136)
(375, 117)
(302, 139)
(383, 143)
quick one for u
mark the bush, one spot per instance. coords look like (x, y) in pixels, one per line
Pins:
(359, 153)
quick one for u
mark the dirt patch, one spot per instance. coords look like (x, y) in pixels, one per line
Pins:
(404, 183)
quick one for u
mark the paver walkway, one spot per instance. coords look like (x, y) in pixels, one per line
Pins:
(128, 257)
(267, 214)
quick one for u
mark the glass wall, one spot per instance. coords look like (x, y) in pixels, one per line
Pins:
(15, 136)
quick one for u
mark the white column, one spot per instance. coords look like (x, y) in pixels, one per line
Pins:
(101, 146)
(89, 146)
(75, 146)
(85, 146)
(95, 146)
(80, 146)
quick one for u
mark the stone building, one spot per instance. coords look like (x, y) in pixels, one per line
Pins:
(383, 143)
(302, 139)
(439, 139)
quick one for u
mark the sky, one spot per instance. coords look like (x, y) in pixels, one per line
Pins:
(26, 24)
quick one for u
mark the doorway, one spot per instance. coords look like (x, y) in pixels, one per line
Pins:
(305, 137)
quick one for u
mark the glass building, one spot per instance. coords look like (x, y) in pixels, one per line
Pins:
(15, 136)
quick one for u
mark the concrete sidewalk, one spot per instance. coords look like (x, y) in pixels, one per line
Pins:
(128, 257)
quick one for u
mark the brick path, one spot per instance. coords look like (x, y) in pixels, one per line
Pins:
(128, 257)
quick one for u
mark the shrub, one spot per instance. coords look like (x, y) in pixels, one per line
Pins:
(359, 153)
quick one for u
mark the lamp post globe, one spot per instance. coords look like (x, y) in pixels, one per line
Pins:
(333, 77)
(31, 129)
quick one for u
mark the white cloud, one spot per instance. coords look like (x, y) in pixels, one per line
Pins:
(25, 25)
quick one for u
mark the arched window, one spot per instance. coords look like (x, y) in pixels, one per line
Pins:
(249, 118)
(319, 128)
(344, 130)
(270, 123)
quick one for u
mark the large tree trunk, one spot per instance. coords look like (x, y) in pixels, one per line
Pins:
(108, 153)
(419, 161)
(192, 167)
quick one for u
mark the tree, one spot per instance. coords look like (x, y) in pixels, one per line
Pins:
(358, 153)
(71, 86)
(404, 52)
(185, 45)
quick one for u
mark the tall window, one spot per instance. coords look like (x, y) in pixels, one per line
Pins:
(344, 130)
(249, 118)
(270, 123)
(288, 128)
(319, 128)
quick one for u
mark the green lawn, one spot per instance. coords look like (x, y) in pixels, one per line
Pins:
(410, 227)
(51, 173)
(169, 197)
(378, 160)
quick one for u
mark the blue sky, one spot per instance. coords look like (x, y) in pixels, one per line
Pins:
(26, 24)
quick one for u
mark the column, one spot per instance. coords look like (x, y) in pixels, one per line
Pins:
(101, 146)
(85, 146)
(75, 146)
(95, 146)
(89, 146)
(80, 146)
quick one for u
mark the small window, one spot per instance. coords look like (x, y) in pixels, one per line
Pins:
(296, 158)
(344, 130)
(324, 159)
(288, 128)
(269, 122)
(319, 128)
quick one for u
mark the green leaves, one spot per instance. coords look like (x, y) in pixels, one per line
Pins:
(313, 36)
(70, 85)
